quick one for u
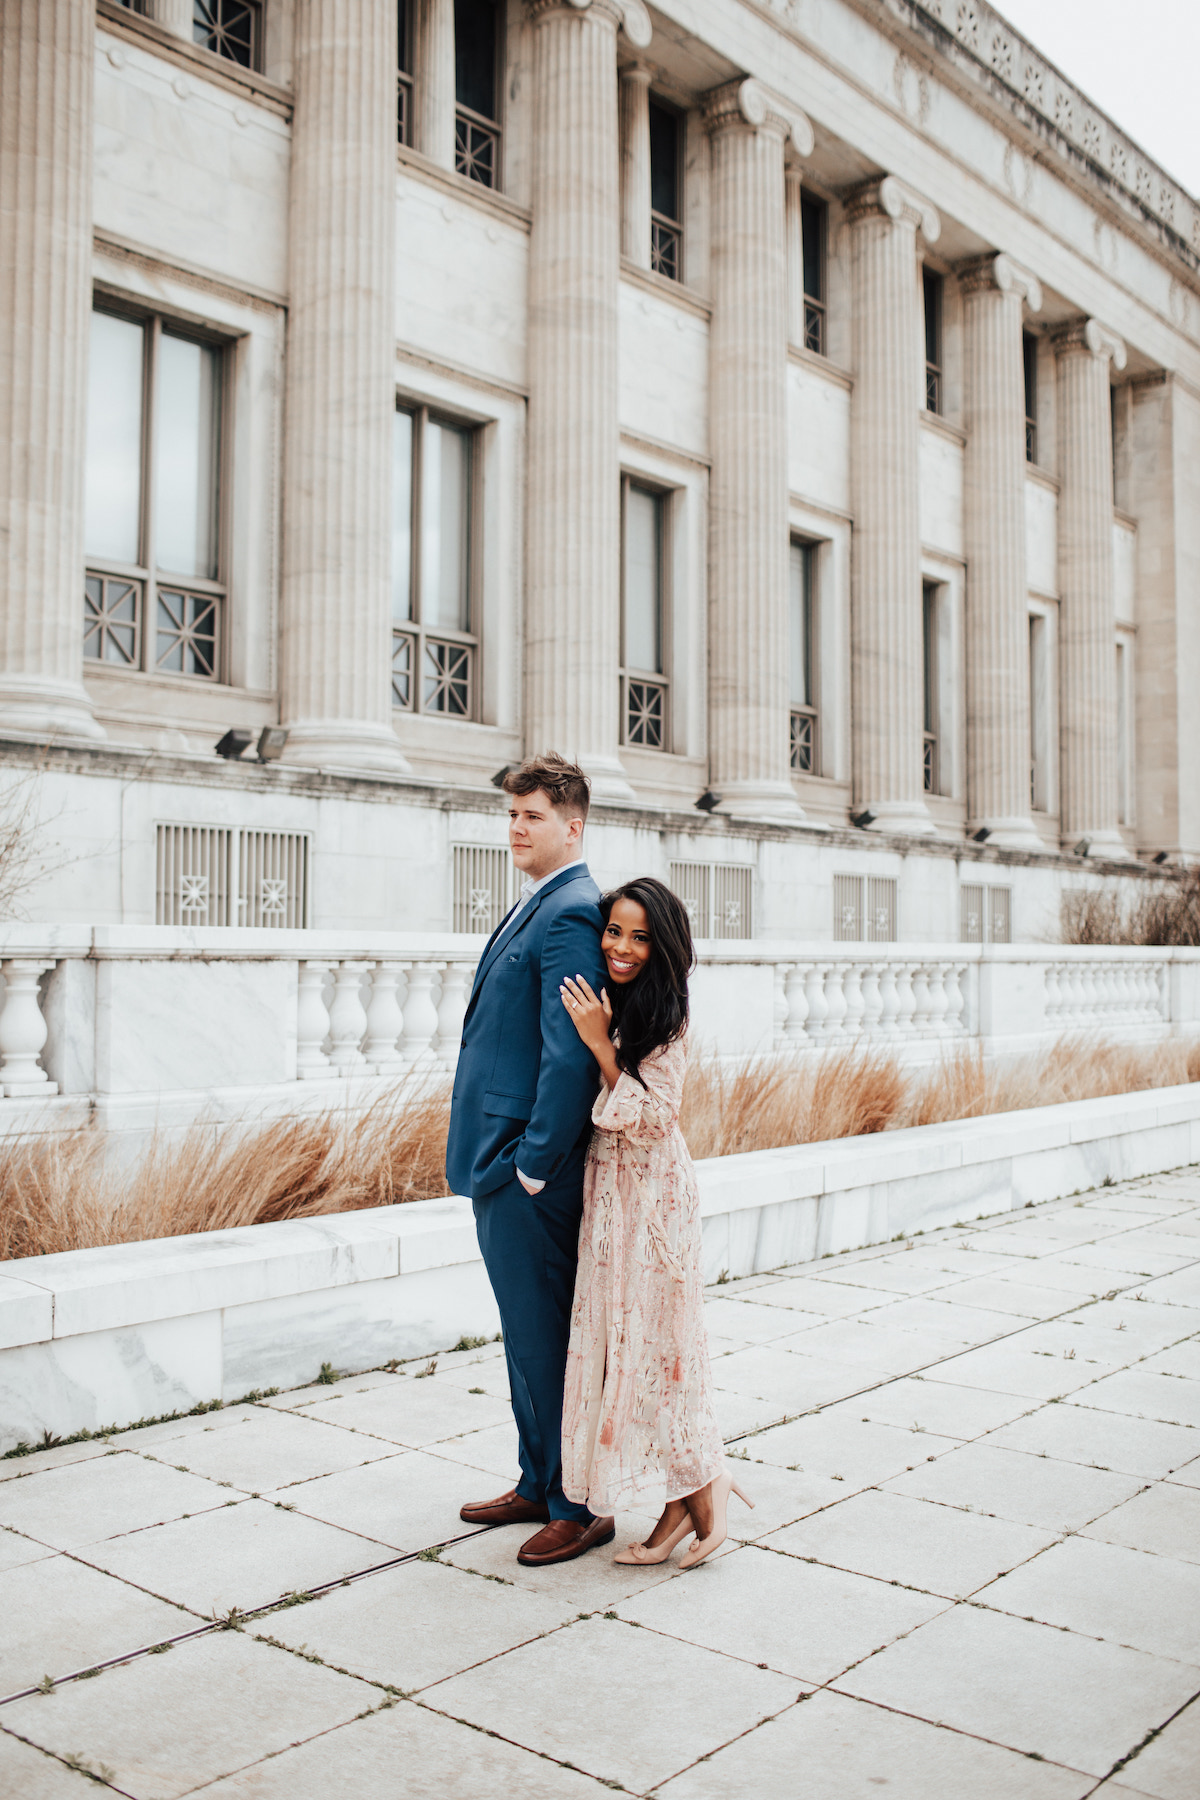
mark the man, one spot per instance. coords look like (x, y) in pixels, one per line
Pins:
(520, 1121)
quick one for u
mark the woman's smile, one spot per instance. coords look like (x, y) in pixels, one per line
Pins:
(626, 941)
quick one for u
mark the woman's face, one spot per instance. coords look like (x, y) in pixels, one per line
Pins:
(626, 942)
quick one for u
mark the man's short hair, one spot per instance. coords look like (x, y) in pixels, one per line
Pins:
(564, 783)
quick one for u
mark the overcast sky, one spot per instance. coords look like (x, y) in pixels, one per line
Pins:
(1137, 62)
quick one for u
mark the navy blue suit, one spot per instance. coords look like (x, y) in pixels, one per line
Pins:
(523, 1094)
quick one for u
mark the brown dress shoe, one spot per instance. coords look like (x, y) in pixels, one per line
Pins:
(508, 1509)
(564, 1539)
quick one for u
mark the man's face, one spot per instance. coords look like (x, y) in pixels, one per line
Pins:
(540, 838)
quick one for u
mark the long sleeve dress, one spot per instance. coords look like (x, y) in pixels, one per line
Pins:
(637, 1407)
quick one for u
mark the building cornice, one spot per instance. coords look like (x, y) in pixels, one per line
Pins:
(820, 365)
(687, 299)
(940, 427)
(457, 187)
(152, 262)
(134, 29)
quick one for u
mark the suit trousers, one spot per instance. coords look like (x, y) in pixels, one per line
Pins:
(530, 1247)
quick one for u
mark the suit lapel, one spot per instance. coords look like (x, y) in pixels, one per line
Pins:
(500, 941)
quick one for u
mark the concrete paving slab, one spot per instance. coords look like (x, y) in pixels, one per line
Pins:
(833, 1299)
(1104, 1590)
(35, 1775)
(580, 1696)
(16, 1549)
(1074, 1432)
(779, 1496)
(168, 1724)
(244, 1556)
(413, 1413)
(1166, 1768)
(1164, 1519)
(1144, 1394)
(1181, 1360)
(82, 1504)
(899, 1274)
(841, 1446)
(591, 1583)
(1010, 1368)
(61, 1616)
(13, 1468)
(752, 1323)
(926, 1403)
(440, 1759)
(274, 1450)
(894, 1538)
(957, 1321)
(404, 1503)
(1189, 1476)
(1016, 1297)
(489, 1453)
(1179, 1289)
(1031, 1490)
(791, 1383)
(836, 1748)
(1033, 1688)
(872, 1346)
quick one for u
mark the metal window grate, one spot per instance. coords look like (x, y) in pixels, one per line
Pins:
(645, 713)
(814, 326)
(484, 887)
(476, 148)
(1000, 915)
(230, 28)
(985, 914)
(691, 882)
(718, 897)
(803, 739)
(666, 244)
(218, 875)
(864, 909)
(971, 913)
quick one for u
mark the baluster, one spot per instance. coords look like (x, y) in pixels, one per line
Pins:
(906, 999)
(1160, 1010)
(452, 1005)
(385, 1021)
(938, 1002)
(814, 993)
(312, 1023)
(347, 1018)
(1053, 993)
(920, 988)
(852, 988)
(872, 998)
(420, 1013)
(1108, 992)
(779, 1005)
(1076, 995)
(956, 998)
(889, 1000)
(23, 1030)
(835, 1001)
(797, 1004)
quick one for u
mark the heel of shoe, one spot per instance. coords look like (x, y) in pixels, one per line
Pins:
(744, 1498)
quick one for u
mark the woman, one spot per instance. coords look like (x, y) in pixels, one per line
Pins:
(637, 1412)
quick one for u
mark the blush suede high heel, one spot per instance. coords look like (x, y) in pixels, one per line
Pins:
(641, 1553)
(722, 1487)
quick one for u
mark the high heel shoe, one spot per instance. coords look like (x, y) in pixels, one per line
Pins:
(642, 1553)
(722, 1487)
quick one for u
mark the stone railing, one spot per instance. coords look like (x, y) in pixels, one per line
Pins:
(128, 1017)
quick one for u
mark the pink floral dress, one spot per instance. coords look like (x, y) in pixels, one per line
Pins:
(637, 1408)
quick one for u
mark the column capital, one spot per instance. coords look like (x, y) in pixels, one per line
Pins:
(637, 73)
(629, 15)
(892, 199)
(999, 272)
(1088, 337)
(745, 101)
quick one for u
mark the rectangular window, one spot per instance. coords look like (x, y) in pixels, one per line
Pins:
(1039, 715)
(932, 286)
(718, 897)
(644, 685)
(813, 227)
(1029, 353)
(929, 684)
(153, 594)
(230, 28)
(404, 85)
(476, 64)
(483, 887)
(864, 909)
(1124, 746)
(666, 230)
(217, 875)
(802, 669)
(985, 914)
(434, 647)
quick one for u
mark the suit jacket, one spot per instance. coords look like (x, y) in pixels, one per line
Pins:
(525, 1082)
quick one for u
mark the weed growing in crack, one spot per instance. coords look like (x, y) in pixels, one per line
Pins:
(429, 1369)
(432, 1553)
(470, 1343)
(46, 1685)
(328, 1375)
(98, 1771)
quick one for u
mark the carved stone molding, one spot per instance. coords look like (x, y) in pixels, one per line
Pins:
(998, 270)
(1080, 336)
(895, 200)
(746, 102)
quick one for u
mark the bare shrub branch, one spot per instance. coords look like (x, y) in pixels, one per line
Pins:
(1166, 913)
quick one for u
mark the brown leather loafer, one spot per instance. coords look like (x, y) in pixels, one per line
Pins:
(564, 1539)
(507, 1509)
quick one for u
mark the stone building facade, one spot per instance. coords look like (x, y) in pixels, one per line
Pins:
(791, 410)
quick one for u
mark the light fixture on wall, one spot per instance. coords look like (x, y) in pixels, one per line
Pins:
(498, 777)
(1160, 856)
(708, 801)
(862, 819)
(234, 742)
(271, 741)
(1082, 847)
(982, 835)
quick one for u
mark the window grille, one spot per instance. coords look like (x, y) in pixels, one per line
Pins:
(222, 875)
(476, 90)
(484, 886)
(802, 669)
(864, 909)
(932, 286)
(153, 598)
(476, 148)
(802, 735)
(644, 685)
(666, 246)
(813, 224)
(434, 648)
(666, 228)
(1029, 358)
(985, 914)
(718, 897)
(229, 28)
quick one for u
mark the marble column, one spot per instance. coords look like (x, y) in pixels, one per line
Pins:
(572, 590)
(340, 389)
(176, 16)
(46, 57)
(434, 81)
(1086, 631)
(635, 164)
(748, 712)
(996, 293)
(886, 637)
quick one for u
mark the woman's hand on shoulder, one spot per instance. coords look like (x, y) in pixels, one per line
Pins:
(591, 1017)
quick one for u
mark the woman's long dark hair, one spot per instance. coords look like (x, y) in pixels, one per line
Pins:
(653, 1009)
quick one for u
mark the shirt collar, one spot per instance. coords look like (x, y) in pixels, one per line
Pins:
(535, 887)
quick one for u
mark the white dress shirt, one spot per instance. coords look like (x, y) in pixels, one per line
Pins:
(531, 888)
